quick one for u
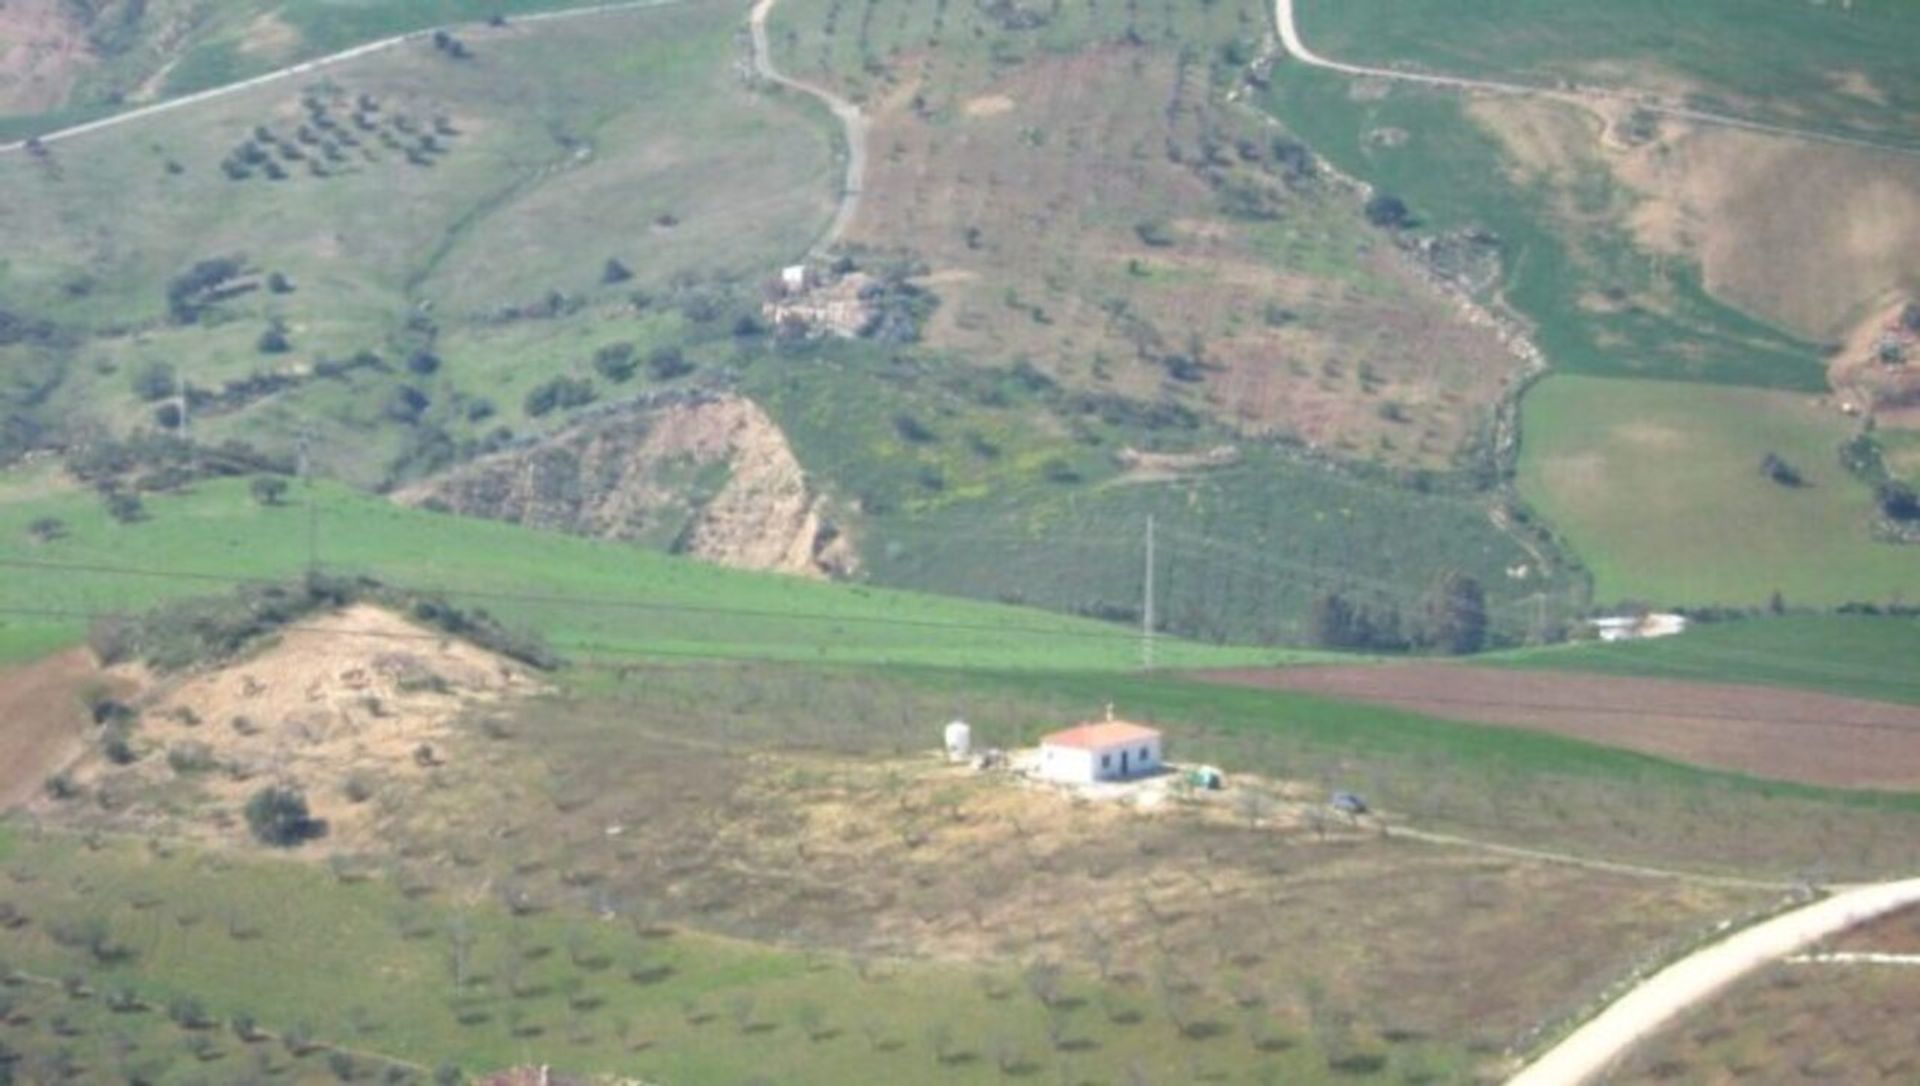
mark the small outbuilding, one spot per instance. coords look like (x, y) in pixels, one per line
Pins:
(1103, 750)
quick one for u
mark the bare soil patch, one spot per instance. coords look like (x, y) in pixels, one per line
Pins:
(1895, 933)
(43, 48)
(712, 477)
(1781, 734)
(43, 720)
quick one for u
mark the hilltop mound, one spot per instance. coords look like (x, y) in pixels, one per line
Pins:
(335, 705)
(708, 476)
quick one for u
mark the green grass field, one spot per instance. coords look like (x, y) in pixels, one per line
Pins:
(591, 599)
(619, 136)
(1657, 486)
(1856, 655)
(1778, 60)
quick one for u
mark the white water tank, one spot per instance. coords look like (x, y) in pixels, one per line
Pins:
(959, 741)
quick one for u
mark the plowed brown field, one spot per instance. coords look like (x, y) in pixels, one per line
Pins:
(1763, 731)
(42, 720)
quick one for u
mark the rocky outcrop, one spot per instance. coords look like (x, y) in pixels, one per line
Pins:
(710, 476)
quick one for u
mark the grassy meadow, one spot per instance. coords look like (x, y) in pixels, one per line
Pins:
(590, 599)
(407, 177)
(1840, 67)
(1863, 656)
(1658, 486)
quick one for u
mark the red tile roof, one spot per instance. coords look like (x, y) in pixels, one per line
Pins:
(1101, 735)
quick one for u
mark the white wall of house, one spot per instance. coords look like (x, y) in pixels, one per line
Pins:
(1073, 765)
(1080, 765)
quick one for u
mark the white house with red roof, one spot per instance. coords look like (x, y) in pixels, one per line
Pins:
(1103, 750)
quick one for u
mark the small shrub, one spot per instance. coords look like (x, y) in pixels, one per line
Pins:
(562, 393)
(188, 1013)
(1388, 212)
(615, 272)
(1155, 232)
(278, 816)
(268, 489)
(125, 508)
(47, 529)
(615, 362)
(154, 381)
(1781, 472)
(274, 341)
(118, 748)
(667, 363)
(912, 430)
(190, 757)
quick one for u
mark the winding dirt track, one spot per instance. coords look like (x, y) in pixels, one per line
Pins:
(848, 114)
(1288, 27)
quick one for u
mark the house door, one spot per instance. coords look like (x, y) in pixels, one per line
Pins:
(1123, 762)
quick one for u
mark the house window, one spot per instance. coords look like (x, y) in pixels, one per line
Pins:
(1106, 760)
(1143, 754)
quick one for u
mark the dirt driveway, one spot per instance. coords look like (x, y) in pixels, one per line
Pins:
(1766, 732)
(42, 720)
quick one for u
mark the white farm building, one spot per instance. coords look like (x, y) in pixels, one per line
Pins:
(1106, 750)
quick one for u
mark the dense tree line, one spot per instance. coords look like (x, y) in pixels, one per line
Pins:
(1453, 619)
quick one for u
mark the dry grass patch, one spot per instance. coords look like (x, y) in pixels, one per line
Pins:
(43, 49)
(1805, 235)
(338, 706)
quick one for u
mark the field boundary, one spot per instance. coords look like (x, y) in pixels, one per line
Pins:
(1297, 48)
(306, 67)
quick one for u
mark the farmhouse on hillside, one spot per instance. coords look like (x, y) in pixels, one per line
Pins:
(1104, 750)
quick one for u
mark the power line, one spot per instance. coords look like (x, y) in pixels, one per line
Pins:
(1065, 630)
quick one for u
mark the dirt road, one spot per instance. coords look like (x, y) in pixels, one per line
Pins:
(1296, 47)
(851, 122)
(1597, 1046)
(307, 67)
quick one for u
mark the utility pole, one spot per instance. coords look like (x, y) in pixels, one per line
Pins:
(1146, 607)
(313, 511)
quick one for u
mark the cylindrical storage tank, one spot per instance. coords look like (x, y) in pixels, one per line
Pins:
(959, 741)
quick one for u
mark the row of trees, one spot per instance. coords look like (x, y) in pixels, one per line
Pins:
(1452, 619)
